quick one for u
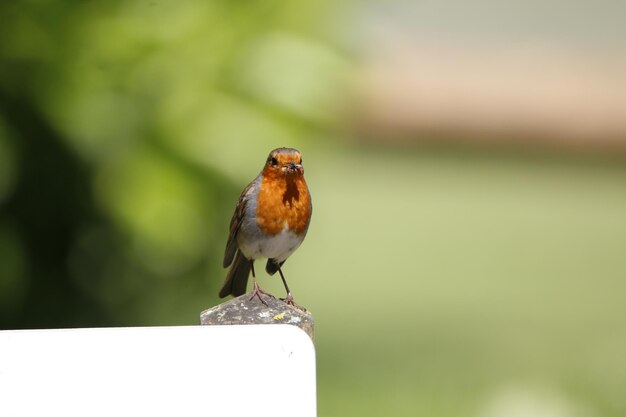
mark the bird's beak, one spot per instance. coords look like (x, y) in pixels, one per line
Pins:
(292, 168)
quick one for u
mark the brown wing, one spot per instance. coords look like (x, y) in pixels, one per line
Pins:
(235, 222)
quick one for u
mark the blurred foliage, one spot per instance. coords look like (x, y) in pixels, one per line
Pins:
(442, 283)
(126, 131)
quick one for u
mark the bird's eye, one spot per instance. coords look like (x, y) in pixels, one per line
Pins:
(274, 161)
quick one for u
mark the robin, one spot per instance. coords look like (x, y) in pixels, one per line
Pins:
(270, 221)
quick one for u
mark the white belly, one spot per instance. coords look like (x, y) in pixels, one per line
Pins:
(278, 247)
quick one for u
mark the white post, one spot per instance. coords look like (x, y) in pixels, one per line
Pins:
(252, 370)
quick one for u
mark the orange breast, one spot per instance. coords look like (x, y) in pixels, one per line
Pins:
(283, 201)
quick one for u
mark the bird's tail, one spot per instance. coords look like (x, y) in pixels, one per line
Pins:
(237, 278)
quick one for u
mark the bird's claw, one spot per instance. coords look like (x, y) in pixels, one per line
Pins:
(257, 292)
(289, 301)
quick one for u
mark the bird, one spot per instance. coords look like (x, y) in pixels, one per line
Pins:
(270, 221)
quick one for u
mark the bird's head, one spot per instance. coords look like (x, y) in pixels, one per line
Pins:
(285, 161)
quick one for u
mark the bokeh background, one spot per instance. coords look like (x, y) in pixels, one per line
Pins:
(467, 254)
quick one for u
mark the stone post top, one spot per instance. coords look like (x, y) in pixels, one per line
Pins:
(243, 310)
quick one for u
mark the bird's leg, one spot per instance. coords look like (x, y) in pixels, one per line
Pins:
(289, 299)
(257, 291)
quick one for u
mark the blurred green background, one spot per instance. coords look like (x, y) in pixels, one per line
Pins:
(447, 276)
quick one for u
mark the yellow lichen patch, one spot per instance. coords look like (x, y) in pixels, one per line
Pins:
(279, 316)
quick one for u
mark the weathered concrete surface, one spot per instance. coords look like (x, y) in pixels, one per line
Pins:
(242, 310)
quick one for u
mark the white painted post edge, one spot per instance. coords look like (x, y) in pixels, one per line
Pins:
(189, 371)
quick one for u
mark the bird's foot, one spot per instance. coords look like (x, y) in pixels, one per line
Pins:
(289, 300)
(258, 292)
